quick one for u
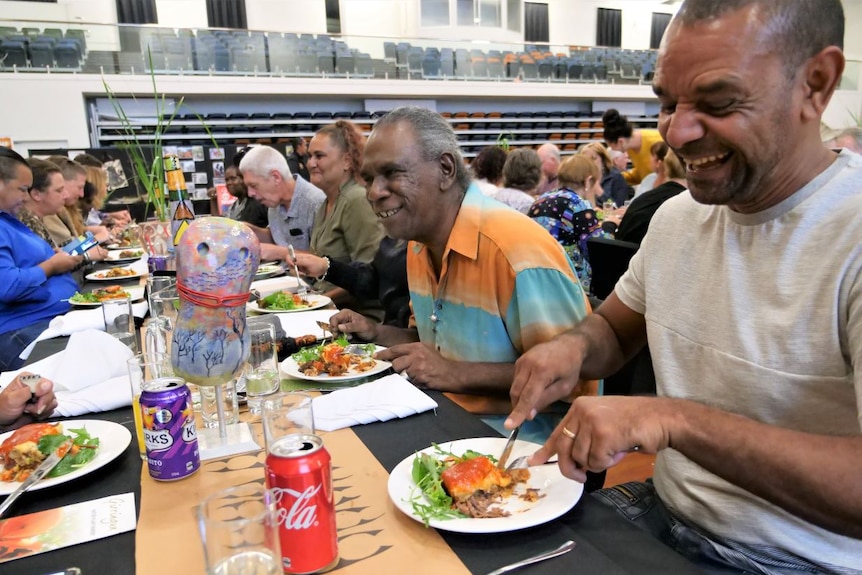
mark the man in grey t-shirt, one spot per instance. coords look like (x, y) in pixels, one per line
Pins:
(292, 202)
(749, 292)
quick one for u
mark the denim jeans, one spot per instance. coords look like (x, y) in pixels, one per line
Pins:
(12, 343)
(640, 504)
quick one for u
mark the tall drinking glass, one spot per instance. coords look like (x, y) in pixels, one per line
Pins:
(143, 368)
(286, 414)
(239, 532)
(119, 321)
(261, 370)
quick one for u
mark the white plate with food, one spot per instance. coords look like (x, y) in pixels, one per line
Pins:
(127, 255)
(113, 440)
(123, 246)
(114, 274)
(268, 270)
(287, 302)
(348, 366)
(554, 494)
(97, 296)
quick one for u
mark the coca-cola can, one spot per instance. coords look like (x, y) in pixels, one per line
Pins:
(299, 471)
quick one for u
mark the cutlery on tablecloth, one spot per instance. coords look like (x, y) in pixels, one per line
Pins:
(301, 290)
(561, 550)
(507, 449)
(44, 468)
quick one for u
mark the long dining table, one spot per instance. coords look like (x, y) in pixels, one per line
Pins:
(374, 536)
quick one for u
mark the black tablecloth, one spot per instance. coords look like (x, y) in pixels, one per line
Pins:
(113, 555)
(606, 543)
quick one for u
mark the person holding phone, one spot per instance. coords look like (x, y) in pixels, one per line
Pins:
(28, 397)
(35, 281)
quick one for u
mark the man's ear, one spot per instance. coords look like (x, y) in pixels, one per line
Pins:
(822, 75)
(447, 171)
(276, 176)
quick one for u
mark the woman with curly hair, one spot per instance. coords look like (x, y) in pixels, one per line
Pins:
(345, 227)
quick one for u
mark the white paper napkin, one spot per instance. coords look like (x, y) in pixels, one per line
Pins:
(272, 285)
(89, 376)
(76, 321)
(381, 400)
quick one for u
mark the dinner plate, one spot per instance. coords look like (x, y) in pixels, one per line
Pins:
(559, 494)
(135, 292)
(316, 301)
(95, 276)
(291, 369)
(113, 440)
(267, 271)
(115, 257)
(116, 246)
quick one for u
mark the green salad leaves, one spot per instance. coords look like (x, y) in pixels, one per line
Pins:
(84, 449)
(432, 501)
(281, 300)
(312, 353)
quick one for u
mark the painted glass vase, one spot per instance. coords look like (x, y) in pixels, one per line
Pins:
(216, 261)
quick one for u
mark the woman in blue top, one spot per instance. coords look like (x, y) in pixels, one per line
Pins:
(34, 279)
(568, 213)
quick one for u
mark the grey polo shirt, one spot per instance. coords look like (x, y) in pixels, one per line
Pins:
(293, 225)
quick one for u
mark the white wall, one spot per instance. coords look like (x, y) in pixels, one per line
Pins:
(64, 14)
(182, 13)
(573, 22)
(287, 15)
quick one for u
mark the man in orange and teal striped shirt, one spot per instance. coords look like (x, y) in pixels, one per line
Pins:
(486, 282)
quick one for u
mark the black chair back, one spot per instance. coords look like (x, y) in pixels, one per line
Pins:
(609, 259)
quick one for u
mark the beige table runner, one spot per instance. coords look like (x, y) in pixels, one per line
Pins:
(374, 536)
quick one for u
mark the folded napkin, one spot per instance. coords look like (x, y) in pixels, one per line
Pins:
(89, 376)
(272, 285)
(77, 321)
(298, 323)
(381, 400)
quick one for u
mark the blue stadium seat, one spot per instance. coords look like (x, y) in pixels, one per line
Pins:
(41, 54)
(345, 64)
(13, 53)
(67, 54)
(364, 65)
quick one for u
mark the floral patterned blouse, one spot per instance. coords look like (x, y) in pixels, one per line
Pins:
(572, 221)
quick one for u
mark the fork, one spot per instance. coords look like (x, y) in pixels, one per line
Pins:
(521, 463)
(561, 550)
(301, 288)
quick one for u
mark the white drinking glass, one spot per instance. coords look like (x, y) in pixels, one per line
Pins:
(144, 368)
(261, 370)
(239, 531)
(286, 414)
(120, 321)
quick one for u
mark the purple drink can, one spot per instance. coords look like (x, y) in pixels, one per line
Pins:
(169, 429)
(157, 263)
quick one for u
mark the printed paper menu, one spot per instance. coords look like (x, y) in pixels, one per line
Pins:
(65, 526)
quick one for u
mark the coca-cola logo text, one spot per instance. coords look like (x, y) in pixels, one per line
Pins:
(302, 514)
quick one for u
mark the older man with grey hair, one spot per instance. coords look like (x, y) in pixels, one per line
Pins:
(550, 155)
(291, 200)
(479, 272)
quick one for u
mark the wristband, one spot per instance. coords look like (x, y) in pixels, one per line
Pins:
(326, 271)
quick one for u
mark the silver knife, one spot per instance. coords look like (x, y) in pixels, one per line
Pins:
(44, 468)
(507, 450)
